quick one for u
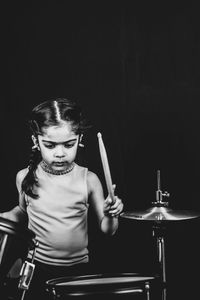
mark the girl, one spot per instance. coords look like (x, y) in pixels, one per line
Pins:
(55, 194)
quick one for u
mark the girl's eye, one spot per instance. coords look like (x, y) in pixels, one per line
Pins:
(49, 146)
(69, 145)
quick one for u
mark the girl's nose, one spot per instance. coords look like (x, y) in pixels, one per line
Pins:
(59, 152)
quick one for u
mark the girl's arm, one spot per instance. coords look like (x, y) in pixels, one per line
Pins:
(107, 213)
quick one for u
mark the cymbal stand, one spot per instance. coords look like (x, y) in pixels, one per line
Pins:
(159, 216)
(158, 232)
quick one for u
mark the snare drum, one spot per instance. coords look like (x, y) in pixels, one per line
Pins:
(15, 242)
(120, 286)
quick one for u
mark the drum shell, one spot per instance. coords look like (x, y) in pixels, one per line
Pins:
(124, 288)
(15, 242)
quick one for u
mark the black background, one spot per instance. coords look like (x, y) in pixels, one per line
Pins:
(135, 71)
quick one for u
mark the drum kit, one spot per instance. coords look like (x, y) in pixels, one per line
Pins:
(123, 285)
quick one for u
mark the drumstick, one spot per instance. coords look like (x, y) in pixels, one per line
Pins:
(106, 168)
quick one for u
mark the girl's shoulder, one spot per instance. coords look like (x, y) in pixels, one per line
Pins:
(91, 175)
(92, 179)
(21, 174)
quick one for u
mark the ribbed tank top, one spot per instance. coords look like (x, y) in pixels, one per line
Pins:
(59, 217)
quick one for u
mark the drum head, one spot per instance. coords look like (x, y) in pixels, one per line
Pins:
(98, 284)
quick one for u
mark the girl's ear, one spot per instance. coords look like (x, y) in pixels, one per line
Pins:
(35, 142)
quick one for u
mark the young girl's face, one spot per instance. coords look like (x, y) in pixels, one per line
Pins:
(58, 146)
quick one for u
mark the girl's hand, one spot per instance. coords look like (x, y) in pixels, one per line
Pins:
(113, 209)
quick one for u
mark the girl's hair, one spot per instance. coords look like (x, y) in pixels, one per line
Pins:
(50, 113)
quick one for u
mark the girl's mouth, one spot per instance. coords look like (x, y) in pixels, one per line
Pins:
(59, 163)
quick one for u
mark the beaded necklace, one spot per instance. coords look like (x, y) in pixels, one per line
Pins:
(47, 169)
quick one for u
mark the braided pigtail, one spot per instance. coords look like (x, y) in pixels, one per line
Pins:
(30, 180)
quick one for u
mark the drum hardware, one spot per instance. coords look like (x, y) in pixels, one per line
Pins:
(159, 215)
(27, 271)
(13, 235)
(16, 240)
(4, 240)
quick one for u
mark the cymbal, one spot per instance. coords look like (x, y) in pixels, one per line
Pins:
(160, 214)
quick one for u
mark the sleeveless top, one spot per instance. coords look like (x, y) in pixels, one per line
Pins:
(59, 217)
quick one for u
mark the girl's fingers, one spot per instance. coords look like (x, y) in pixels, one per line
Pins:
(116, 208)
(113, 209)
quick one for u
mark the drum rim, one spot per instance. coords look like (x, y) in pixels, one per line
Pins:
(97, 289)
(54, 281)
(15, 228)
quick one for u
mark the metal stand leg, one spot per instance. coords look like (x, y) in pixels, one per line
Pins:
(161, 257)
(147, 289)
(160, 244)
